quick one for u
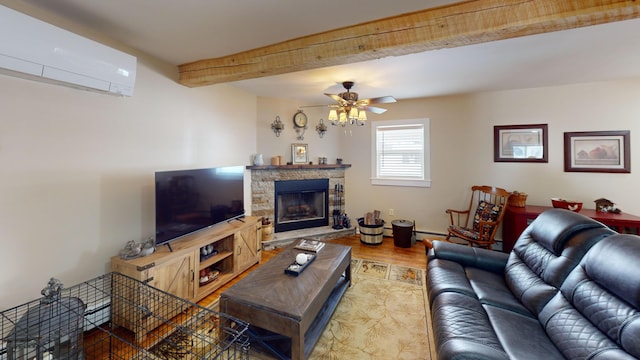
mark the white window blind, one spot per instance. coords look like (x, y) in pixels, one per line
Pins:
(400, 153)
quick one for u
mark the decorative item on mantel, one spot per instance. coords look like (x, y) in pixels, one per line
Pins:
(277, 126)
(604, 205)
(258, 160)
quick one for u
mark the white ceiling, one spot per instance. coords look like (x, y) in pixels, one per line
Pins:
(189, 30)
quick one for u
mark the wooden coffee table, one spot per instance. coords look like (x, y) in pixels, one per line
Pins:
(296, 307)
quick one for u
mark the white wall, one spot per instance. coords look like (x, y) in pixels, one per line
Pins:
(77, 168)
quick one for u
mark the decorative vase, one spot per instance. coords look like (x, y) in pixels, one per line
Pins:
(257, 160)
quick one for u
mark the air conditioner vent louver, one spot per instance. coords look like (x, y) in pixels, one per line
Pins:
(37, 50)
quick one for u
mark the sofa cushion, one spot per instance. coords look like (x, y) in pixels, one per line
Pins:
(447, 264)
(491, 289)
(596, 314)
(546, 252)
(462, 329)
(557, 226)
(522, 337)
(604, 264)
(486, 211)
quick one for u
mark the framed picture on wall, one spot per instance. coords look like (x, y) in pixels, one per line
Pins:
(299, 153)
(520, 143)
(597, 151)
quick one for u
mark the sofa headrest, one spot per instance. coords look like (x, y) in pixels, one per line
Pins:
(608, 261)
(557, 226)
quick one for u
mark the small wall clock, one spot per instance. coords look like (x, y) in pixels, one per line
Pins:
(300, 124)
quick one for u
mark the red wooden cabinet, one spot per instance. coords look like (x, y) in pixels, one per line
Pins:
(516, 219)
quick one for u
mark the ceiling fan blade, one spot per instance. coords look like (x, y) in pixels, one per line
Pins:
(310, 106)
(378, 100)
(337, 98)
(373, 109)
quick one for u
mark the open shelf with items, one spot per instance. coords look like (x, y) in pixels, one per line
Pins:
(230, 248)
(215, 258)
(225, 269)
(215, 267)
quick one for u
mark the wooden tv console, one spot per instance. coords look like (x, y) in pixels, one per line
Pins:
(238, 246)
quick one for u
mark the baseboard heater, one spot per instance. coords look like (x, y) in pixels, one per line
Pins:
(96, 314)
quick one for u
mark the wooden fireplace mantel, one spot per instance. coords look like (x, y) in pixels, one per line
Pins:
(298, 167)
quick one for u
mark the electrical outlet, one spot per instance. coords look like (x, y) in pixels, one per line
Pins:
(392, 212)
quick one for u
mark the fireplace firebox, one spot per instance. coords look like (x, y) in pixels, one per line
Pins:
(301, 204)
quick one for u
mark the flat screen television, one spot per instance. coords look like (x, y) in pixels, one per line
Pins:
(191, 200)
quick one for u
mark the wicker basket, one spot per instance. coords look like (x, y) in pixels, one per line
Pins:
(517, 199)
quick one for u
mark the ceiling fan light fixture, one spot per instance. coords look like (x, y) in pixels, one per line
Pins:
(343, 118)
(353, 113)
(362, 117)
(351, 110)
(333, 116)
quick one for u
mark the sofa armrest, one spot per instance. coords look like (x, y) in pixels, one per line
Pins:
(489, 260)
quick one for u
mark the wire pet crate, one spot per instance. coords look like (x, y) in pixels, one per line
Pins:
(117, 317)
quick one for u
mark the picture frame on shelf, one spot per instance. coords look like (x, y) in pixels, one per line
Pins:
(597, 151)
(520, 143)
(299, 153)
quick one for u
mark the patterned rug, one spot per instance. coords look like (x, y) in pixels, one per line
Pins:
(387, 271)
(381, 316)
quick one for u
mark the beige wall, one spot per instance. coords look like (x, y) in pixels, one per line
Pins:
(76, 168)
(462, 148)
(270, 145)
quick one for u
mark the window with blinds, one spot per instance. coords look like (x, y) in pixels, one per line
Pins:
(400, 153)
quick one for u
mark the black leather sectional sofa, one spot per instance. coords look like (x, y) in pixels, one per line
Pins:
(569, 289)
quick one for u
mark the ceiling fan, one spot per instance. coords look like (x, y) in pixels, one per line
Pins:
(353, 110)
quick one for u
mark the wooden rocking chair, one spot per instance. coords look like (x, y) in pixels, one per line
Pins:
(479, 223)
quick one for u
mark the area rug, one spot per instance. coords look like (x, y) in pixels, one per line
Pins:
(387, 271)
(194, 338)
(381, 316)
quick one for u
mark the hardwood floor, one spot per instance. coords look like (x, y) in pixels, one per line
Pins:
(384, 252)
(414, 256)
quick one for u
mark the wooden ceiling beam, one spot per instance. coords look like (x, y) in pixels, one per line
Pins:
(461, 24)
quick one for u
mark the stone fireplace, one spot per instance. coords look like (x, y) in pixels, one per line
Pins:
(264, 201)
(300, 204)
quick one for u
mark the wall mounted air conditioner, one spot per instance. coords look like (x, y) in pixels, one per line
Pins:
(34, 49)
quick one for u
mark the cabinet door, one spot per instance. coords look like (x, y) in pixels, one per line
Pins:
(246, 249)
(133, 305)
(175, 276)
